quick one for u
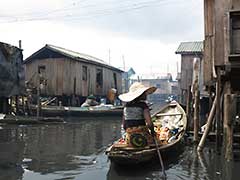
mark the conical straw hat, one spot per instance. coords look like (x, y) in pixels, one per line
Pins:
(136, 90)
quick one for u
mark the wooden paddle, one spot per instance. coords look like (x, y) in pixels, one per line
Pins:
(159, 156)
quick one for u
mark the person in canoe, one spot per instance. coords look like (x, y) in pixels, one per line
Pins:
(136, 116)
(90, 101)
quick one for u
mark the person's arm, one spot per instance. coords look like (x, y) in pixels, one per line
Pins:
(148, 120)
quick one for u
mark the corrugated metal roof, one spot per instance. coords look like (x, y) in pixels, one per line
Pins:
(74, 55)
(190, 47)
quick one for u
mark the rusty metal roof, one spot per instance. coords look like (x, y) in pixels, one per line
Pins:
(190, 48)
(76, 54)
(71, 54)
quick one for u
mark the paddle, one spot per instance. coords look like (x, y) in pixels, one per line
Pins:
(159, 156)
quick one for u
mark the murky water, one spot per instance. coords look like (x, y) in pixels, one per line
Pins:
(75, 150)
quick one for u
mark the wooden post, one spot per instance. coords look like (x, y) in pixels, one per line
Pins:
(229, 115)
(218, 109)
(196, 95)
(209, 123)
(23, 105)
(196, 115)
(38, 95)
(17, 104)
(11, 105)
(188, 108)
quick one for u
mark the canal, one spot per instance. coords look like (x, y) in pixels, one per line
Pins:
(75, 150)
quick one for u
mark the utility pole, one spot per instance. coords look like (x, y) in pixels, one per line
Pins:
(109, 56)
(124, 67)
(38, 94)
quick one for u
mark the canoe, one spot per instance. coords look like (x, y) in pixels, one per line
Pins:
(94, 111)
(172, 119)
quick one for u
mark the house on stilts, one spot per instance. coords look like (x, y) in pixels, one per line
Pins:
(70, 76)
(222, 67)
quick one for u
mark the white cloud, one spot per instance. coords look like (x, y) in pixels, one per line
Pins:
(146, 38)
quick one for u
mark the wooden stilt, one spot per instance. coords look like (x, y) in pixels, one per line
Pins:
(23, 105)
(11, 105)
(196, 94)
(196, 115)
(17, 104)
(38, 97)
(188, 108)
(229, 115)
(218, 109)
(209, 123)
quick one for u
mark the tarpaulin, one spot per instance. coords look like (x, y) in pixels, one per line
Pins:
(11, 71)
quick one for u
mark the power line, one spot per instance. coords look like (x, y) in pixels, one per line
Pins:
(88, 10)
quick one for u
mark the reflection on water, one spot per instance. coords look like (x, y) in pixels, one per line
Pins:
(75, 150)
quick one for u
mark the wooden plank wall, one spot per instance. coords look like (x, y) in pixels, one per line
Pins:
(236, 4)
(209, 27)
(60, 75)
(220, 8)
(186, 71)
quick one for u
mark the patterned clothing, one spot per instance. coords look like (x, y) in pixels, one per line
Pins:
(137, 133)
(142, 130)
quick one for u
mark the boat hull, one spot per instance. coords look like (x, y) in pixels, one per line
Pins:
(133, 156)
(145, 156)
(78, 112)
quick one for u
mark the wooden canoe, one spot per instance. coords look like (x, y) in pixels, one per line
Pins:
(170, 115)
(95, 111)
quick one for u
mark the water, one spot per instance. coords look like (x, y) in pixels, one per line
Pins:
(75, 150)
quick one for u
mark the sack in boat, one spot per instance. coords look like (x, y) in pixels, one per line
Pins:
(138, 137)
(163, 134)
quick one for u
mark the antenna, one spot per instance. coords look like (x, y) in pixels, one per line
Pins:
(124, 67)
(20, 44)
(177, 67)
(109, 55)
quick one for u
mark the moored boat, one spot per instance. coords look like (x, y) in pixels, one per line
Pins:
(170, 124)
(93, 111)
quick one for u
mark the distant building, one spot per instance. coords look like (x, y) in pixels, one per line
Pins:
(66, 73)
(12, 74)
(127, 79)
(166, 88)
(189, 51)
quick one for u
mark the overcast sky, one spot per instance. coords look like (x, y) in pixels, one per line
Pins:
(142, 33)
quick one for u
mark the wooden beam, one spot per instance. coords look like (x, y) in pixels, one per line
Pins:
(229, 115)
(218, 109)
(196, 115)
(208, 127)
(188, 108)
(168, 114)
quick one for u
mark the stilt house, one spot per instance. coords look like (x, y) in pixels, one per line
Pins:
(66, 73)
(222, 64)
(188, 51)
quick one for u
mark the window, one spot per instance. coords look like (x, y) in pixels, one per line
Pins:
(115, 80)
(99, 78)
(235, 32)
(84, 73)
(158, 85)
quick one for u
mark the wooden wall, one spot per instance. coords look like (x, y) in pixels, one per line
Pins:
(236, 4)
(217, 40)
(186, 71)
(221, 7)
(209, 29)
(64, 77)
